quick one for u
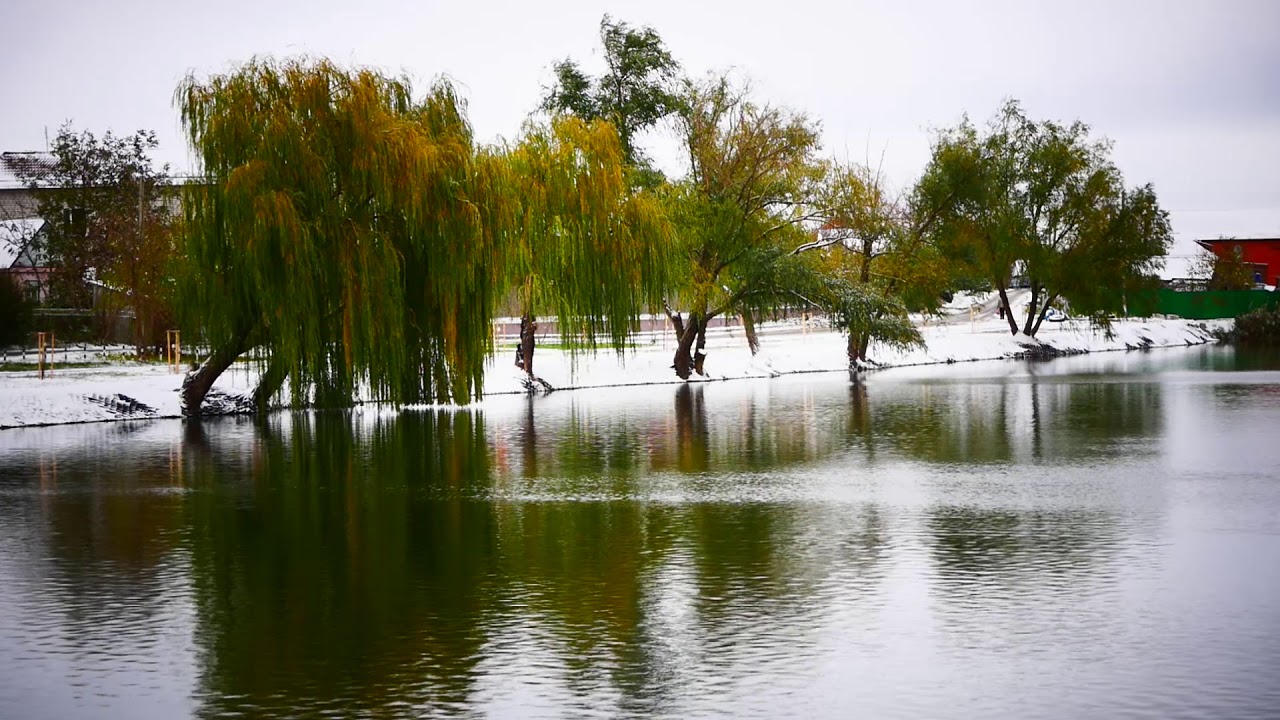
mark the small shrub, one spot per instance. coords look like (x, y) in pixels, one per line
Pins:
(1259, 327)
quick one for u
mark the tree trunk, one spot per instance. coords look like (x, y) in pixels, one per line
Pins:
(677, 322)
(270, 383)
(139, 320)
(524, 351)
(1008, 311)
(854, 350)
(1048, 303)
(700, 357)
(1029, 327)
(749, 327)
(196, 384)
(864, 272)
(857, 347)
(686, 334)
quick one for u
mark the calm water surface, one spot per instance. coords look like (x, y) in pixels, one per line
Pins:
(1091, 537)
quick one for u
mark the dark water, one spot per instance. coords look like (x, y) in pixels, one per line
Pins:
(1092, 537)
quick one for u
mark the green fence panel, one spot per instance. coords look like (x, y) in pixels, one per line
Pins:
(1202, 305)
(1142, 303)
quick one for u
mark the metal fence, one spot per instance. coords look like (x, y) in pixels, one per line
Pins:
(70, 353)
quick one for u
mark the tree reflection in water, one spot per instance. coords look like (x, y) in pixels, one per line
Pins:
(637, 554)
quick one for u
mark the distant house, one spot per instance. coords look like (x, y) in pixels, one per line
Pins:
(17, 200)
(22, 259)
(1263, 254)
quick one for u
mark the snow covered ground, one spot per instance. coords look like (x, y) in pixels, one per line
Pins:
(113, 392)
(789, 348)
(132, 391)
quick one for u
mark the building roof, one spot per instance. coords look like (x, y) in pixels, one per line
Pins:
(1206, 242)
(17, 168)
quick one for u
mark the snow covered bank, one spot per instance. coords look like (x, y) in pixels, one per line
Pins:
(786, 349)
(137, 391)
(114, 392)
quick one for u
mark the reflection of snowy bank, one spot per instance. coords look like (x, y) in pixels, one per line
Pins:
(137, 392)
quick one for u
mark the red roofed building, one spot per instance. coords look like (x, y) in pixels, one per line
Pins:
(1262, 253)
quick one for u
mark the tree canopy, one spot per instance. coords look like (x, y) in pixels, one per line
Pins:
(581, 244)
(636, 91)
(339, 227)
(354, 232)
(744, 206)
(1045, 200)
(875, 261)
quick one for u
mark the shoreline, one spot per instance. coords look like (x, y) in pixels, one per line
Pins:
(113, 393)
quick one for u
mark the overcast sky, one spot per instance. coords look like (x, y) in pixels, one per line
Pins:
(1189, 91)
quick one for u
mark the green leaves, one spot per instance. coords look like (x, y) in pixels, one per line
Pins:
(580, 243)
(864, 310)
(572, 92)
(748, 195)
(1044, 200)
(341, 216)
(1260, 327)
(361, 238)
(635, 92)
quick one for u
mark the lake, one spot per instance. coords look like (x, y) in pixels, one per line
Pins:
(1095, 536)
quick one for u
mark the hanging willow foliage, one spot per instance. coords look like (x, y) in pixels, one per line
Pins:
(582, 244)
(338, 228)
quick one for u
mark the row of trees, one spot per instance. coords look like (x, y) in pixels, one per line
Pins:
(1039, 200)
(357, 234)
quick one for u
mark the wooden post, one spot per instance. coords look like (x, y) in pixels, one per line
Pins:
(173, 349)
(40, 353)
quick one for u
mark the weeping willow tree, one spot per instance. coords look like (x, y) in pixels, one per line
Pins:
(337, 229)
(580, 243)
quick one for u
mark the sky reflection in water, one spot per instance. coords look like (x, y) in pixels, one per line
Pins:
(1091, 536)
